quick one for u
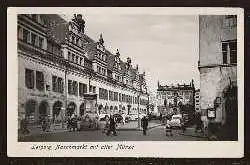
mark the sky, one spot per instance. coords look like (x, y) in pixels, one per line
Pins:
(164, 46)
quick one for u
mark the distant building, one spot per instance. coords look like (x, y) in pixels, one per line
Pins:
(170, 98)
(197, 100)
(218, 70)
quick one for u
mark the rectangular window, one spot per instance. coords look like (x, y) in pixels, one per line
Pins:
(60, 85)
(100, 93)
(33, 39)
(103, 93)
(233, 52)
(120, 97)
(90, 88)
(25, 35)
(39, 81)
(29, 78)
(77, 59)
(224, 52)
(73, 58)
(111, 97)
(229, 52)
(54, 83)
(75, 88)
(80, 61)
(69, 56)
(40, 42)
(94, 89)
(70, 91)
(115, 96)
(81, 89)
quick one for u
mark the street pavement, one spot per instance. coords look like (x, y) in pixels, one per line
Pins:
(153, 134)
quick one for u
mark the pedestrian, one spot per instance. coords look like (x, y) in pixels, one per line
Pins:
(48, 124)
(144, 123)
(168, 128)
(112, 126)
(183, 125)
(74, 122)
(43, 123)
(198, 123)
(123, 118)
(106, 126)
(24, 126)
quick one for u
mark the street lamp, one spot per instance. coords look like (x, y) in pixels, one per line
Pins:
(139, 124)
(148, 101)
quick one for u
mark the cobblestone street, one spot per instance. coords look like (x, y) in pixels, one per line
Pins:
(156, 132)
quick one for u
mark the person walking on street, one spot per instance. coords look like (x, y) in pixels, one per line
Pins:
(112, 126)
(44, 124)
(106, 126)
(198, 123)
(144, 123)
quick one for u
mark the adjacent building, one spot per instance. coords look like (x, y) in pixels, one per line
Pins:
(62, 71)
(197, 100)
(218, 71)
(172, 97)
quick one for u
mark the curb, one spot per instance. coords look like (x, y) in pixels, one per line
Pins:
(137, 129)
(193, 135)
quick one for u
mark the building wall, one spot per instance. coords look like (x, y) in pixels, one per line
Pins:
(215, 77)
(212, 30)
(213, 83)
(32, 58)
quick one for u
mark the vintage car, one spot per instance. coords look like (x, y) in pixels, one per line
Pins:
(103, 116)
(175, 121)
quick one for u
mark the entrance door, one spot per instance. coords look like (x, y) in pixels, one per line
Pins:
(57, 107)
(82, 109)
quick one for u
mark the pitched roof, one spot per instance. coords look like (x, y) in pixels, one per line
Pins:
(57, 27)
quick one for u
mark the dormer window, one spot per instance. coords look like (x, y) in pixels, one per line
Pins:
(77, 41)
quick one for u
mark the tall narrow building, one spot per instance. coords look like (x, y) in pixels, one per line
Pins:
(218, 72)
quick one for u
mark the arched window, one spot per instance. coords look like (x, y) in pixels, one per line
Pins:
(30, 108)
(57, 107)
(71, 108)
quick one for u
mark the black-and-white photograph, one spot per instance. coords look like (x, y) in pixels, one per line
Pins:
(92, 77)
(161, 82)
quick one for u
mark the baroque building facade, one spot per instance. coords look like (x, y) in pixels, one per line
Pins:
(218, 71)
(171, 97)
(62, 71)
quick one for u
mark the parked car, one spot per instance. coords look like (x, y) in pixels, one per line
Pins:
(103, 116)
(91, 114)
(176, 121)
(132, 117)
